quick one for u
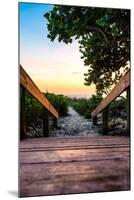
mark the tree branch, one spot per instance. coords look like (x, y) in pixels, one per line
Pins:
(94, 28)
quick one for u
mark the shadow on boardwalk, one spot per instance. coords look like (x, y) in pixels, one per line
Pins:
(50, 166)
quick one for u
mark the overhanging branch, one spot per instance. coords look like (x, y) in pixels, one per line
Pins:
(94, 28)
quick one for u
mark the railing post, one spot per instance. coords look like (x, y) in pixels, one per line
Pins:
(105, 121)
(95, 120)
(22, 114)
(55, 122)
(45, 123)
(128, 110)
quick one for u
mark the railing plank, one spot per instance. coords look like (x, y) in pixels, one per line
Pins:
(30, 86)
(122, 85)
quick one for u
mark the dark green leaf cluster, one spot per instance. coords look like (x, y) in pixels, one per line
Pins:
(33, 109)
(86, 106)
(60, 102)
(104, 40)
(119, 104)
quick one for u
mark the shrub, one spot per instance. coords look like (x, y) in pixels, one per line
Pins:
(85, 106)
(118, 107)
(33, 109)
(60, 102)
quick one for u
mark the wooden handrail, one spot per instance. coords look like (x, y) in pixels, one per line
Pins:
(122, 85)
(31, 87)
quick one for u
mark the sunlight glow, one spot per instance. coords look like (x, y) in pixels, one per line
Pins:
(53, 66)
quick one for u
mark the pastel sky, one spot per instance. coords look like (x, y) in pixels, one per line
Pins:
(53, 66)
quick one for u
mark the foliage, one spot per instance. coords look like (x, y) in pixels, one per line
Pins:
(33, 108)
(60, 102)
(118, 107)
(81, 106)
(104, 40)
(118, 104)
(86, 106)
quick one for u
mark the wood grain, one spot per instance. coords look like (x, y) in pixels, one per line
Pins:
(30, 86)
(74, 165)
(122, 85)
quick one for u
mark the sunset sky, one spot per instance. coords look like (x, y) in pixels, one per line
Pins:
(53, 66)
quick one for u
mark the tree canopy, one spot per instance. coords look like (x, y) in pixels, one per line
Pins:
(104, 40)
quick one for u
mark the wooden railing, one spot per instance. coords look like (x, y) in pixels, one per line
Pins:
(27, 83)
(122, 85)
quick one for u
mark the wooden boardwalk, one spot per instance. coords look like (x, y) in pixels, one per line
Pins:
(50, 166)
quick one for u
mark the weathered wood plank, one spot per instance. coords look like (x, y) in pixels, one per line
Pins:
(75, 147)
(72, 141)
(122, 85)
(73, 155)
(30, 86)
(66, 178)
(45, 169)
